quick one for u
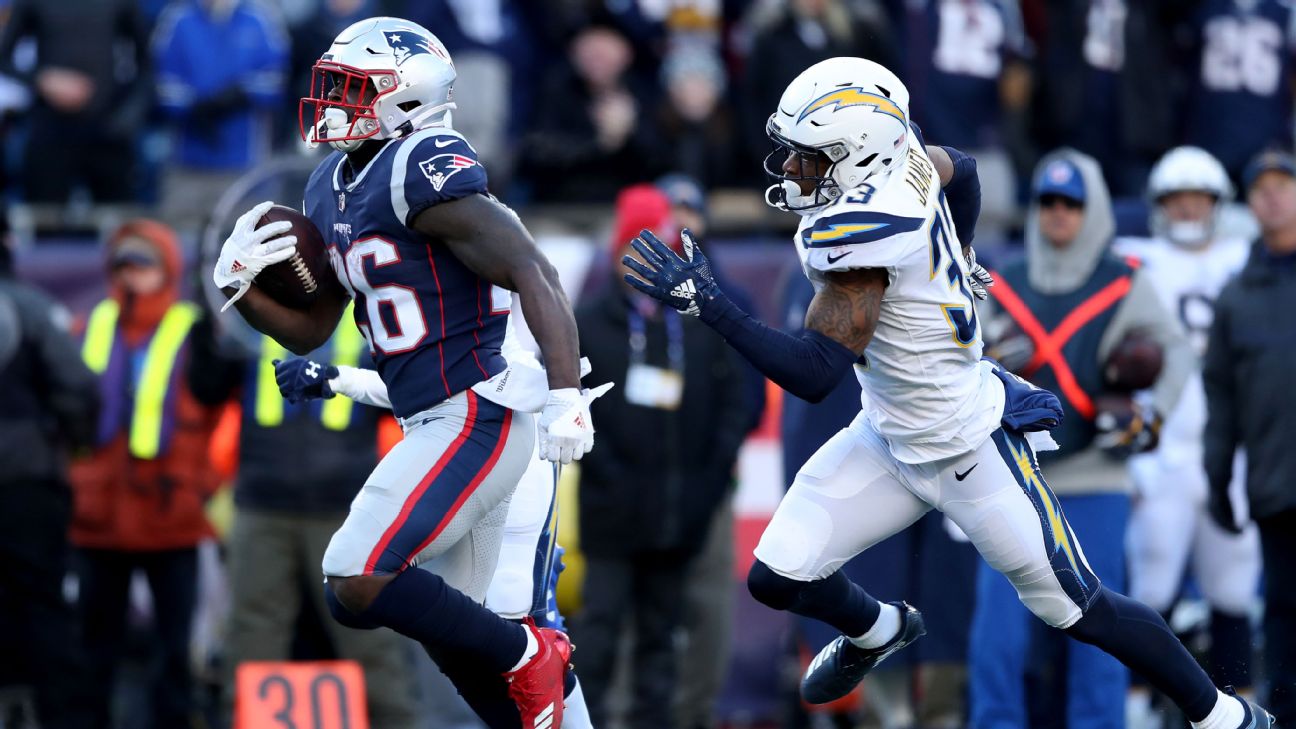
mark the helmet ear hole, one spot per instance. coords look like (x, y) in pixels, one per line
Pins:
(867, 160)
(408, 106)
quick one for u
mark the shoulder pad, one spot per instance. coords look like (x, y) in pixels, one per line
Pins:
(433, 166)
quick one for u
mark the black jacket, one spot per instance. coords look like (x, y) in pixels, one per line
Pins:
(655, 476)
(1250, 398)
(86, 36)
(299, 466)
(561, 155)
(50, 398)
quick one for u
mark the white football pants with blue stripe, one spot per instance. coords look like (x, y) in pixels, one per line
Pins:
(852, 493)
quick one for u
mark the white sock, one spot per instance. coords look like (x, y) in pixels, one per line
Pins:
(883, 631)
(576, 713)
(1227, 714)
(532, 648)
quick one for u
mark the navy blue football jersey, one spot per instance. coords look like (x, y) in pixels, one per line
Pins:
(958, 50)
(1241, 99)
(434, 327)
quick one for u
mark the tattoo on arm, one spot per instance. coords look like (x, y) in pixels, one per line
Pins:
(847, 308)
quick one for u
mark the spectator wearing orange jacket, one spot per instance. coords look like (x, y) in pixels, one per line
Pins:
(139, 495)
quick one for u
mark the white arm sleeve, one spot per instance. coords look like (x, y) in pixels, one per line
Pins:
(363, 386)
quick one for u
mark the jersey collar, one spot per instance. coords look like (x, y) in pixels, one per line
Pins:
(337, 169)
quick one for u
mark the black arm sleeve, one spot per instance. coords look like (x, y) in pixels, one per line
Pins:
(808, 365)
(963, 193)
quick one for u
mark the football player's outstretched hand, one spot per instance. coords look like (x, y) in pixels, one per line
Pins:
(683, 282)
(302, 379)
(566, 430)
(249, 249)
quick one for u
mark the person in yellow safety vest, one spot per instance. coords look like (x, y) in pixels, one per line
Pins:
(299, 467)
(139, 494)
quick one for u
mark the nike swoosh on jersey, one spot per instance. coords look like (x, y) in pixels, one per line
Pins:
(833, 259)
(439, 143)
(960, 476)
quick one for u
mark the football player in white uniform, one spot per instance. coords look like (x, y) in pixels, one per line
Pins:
(939, 428)
(1170, 528)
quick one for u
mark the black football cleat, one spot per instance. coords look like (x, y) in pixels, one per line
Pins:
(841, 665)
(1256, 716)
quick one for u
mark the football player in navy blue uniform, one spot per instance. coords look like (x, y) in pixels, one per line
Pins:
(429, 257)
(1241, 100)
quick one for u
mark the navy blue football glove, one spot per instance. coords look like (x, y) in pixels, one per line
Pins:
(303, 379)
(683, 283)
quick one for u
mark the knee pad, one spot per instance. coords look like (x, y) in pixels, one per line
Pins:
(772, 589)
(1041, 591)
(342, 615)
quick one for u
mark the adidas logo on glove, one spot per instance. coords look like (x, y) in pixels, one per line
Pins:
(685, 290)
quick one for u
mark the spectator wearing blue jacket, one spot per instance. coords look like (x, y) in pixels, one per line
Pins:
(221, 71)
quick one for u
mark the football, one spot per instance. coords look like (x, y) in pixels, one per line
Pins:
(1134, 364)
(297, 281)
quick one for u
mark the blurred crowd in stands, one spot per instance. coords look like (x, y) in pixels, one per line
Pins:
(111, 109)
(162, 103)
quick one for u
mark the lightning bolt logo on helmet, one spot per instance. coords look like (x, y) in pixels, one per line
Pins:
(854, 96)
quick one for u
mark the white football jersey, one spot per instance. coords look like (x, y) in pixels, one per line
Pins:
(1188, 280)
(922, 387)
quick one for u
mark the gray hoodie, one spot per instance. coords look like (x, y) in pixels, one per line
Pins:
(1058, 271)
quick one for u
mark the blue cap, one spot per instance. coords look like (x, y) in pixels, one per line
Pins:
(1061, 177)
(683, 190)
(1271, 160)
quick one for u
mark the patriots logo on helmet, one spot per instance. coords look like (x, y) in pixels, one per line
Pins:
(441, 168)
(406, 44)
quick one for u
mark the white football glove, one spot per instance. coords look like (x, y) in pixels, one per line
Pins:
(249, 249)
(566, 430)
(978, 278)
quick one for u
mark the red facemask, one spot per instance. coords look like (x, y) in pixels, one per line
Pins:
(349, 90)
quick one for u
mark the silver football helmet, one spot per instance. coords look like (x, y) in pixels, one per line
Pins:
(382, 78)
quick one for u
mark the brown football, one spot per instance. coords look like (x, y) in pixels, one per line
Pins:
(1134, 364)
(296, 282)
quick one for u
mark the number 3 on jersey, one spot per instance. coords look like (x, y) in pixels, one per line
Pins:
(962, 317)
(406, 316)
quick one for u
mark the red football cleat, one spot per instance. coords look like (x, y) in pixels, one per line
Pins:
(537, 687)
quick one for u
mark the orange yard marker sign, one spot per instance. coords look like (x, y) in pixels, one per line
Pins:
(300, 695)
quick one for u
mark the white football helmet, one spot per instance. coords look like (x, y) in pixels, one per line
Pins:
(1187, 169)
(851, 112)
(381, 78)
